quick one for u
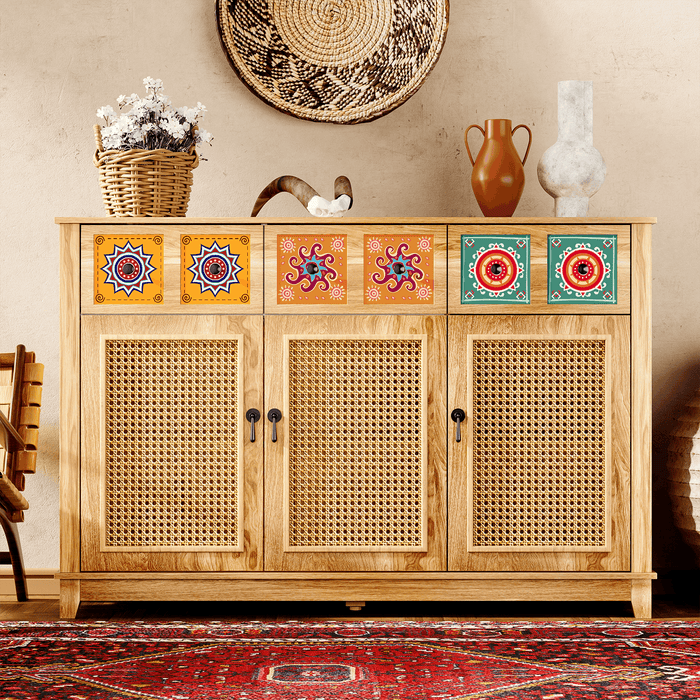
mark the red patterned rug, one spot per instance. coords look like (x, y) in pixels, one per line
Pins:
(353, 661)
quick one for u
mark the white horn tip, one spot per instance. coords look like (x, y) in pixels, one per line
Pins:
(318, 206)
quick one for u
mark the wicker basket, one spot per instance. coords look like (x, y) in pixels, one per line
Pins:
(145, 183)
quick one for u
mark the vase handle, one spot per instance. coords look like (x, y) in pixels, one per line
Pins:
(466, 143)
(529, 142)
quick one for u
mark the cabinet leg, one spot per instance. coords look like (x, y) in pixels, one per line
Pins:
(69, 600)
(641, 599)
(355, 604)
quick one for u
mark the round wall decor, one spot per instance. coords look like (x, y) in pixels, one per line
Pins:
(342, 61)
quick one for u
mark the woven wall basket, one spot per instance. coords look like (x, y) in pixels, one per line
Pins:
(342, 61)
(145, 183)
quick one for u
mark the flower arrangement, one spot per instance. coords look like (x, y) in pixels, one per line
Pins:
(146, 156)
(152, 123)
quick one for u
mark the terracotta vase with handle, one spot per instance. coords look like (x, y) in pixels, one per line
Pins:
(498, 178)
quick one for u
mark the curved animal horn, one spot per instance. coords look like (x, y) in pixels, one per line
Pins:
(287, 183)
(343, 186)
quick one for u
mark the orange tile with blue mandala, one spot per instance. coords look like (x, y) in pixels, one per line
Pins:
(312, 269)
(128, 269)
(215, 270)
(399, 269)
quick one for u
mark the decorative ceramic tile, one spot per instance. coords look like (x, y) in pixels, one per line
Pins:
(312, 269)
(495, 269)
(128, 269)
(398, 269)
(582, 269)
(215, 270)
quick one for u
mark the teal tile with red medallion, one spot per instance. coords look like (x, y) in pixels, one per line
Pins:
(581, 269)
(495, 269)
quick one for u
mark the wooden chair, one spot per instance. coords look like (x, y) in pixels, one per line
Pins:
(20, 404)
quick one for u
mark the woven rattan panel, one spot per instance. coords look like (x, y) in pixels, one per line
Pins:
(539, 443)
(171, 446)
(355, 466)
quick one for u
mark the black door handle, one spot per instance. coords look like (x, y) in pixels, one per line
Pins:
(252, 415)
(458, 416)
(274, 415)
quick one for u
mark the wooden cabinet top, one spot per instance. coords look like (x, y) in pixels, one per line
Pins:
(130, 220)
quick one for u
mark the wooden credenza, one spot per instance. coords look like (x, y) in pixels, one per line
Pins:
(355, 410)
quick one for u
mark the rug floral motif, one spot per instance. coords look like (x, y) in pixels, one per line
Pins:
(349, 661)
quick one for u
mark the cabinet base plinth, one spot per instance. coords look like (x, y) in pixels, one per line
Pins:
(348, 587)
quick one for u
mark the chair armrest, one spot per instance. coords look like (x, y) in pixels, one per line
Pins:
(10, 439)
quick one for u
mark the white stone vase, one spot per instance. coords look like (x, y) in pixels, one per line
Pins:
(683, 473)
(572, 170)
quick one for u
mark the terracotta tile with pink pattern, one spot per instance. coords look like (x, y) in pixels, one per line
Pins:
(312, 269)
(398, 269)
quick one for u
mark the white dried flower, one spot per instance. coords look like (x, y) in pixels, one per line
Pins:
(172, 126)
(107, 113)
(139, 110)
(153, 84)
(204, 136)
(188, 114)
(152, 122)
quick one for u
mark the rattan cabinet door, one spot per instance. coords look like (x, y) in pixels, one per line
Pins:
(540, 479)
(170, 480)
(356, 479)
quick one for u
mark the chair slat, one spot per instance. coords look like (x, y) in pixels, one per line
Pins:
(30, 437)
(30, 416)
(31, 395)
(7, 359)
(34, 373)
(25, 462)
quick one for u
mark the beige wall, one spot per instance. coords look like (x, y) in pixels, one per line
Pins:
(61, 60)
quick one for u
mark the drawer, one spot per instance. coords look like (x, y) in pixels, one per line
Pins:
(352, 268)
(540, 252)
(171, 269)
